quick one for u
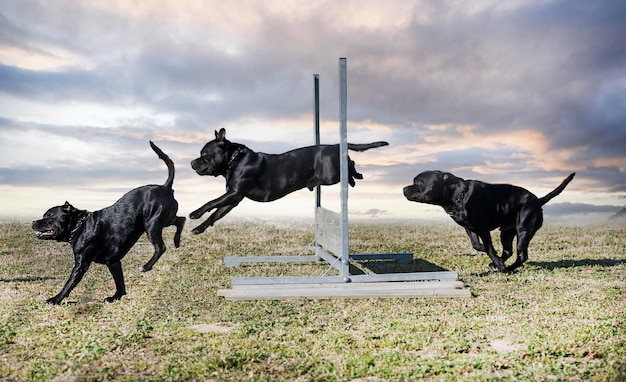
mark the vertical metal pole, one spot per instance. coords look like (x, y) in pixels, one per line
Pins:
(318, 189)
(343, 162)
(316, 111)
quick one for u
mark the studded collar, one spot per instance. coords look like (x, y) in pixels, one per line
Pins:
(78, 226)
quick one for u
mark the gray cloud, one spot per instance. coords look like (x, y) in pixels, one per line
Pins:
(578, 208)
(557, 68)
(372, 212)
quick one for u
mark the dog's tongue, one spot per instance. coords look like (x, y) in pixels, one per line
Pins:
(40, 234)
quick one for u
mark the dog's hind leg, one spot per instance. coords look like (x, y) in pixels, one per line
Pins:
(352, 173)
(496, 262)
(118, 277)
(155, 235)
(180, 223)
(506, 237)
(529, 221)
(523, 239)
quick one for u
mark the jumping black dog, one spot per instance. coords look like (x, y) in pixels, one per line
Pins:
(106, 236)
(267, 177)
(481, 207)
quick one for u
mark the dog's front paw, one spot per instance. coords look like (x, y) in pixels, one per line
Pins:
(198, 230)
(497, 267)
(197, 214)
(56, 300)
(512, 268)
(145, 268)
(114, 298)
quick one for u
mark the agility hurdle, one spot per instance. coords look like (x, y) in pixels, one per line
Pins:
(331, 246)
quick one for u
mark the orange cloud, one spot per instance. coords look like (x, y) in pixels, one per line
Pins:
(619, 162)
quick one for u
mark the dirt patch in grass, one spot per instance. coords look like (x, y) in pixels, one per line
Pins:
(213, 328)
(504, 346)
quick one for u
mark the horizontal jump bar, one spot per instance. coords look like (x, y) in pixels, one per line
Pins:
(234, 261)
(413, 276)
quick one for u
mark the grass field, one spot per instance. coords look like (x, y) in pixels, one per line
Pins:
(560, 317)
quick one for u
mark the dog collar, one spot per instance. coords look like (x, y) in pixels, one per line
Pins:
(460, 198)
(79, 224)
(233, 158)
(457, 212)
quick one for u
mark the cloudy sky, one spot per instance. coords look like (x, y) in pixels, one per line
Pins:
(522, 92)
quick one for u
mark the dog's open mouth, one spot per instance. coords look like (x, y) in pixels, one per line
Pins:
(206, 171)
(46, 234)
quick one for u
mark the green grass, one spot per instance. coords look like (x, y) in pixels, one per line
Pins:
(560, 317)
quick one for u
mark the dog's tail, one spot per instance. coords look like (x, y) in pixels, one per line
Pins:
(557, 190)
(170, 165)
(366, 146)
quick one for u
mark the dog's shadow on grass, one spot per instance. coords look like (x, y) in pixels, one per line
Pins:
(552, 265)
(26, 279)
(564, 264)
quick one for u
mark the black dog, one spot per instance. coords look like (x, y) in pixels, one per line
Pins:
(481, 207)
(266, 177)
(105, 236)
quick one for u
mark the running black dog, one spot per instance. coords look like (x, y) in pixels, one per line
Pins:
(106, 236)
(266, 177)
(481, 207)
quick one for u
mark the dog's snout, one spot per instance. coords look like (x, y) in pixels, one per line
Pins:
(407, 191)
(198, 163)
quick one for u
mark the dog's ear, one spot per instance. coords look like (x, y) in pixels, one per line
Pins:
(67, 207)
(450, 178)
(453, 184)
(221, 135)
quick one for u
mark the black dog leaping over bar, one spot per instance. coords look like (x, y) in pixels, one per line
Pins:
(267, 177)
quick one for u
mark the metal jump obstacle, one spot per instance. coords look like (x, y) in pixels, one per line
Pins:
(331, 246)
